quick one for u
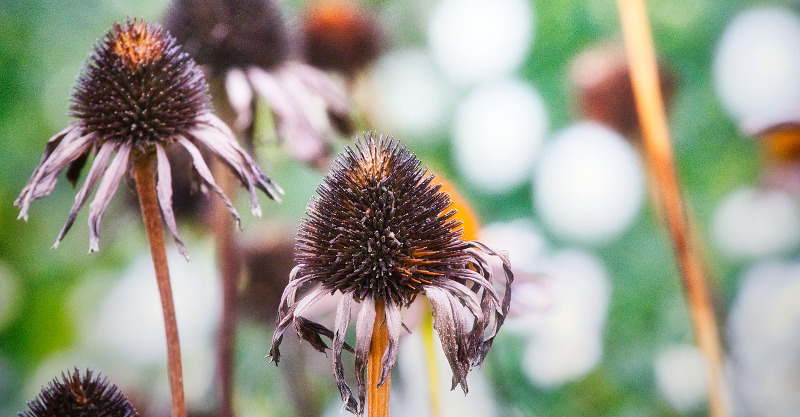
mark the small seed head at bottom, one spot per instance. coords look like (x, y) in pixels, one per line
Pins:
(76, 395)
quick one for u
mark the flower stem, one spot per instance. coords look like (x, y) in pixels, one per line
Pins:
(222, 225)
(644, 76)
(378, 397)
(430, 361)
(228, 261)
(148, 200)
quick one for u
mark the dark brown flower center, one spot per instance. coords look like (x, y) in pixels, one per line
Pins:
(378, 226)
(139, 87)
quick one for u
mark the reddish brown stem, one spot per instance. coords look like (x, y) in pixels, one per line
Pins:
(378, 397)
(650, 106)
(228, 261)
(151, 214)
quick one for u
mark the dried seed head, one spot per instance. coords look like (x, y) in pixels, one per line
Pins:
(80, 396)
(139, 87)
(340, 35)
(378, 227)
(230, 33)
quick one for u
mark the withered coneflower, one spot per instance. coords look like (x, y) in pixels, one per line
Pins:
(245, 45)
(341, 35)
(379, 234)
(139, 95)
(76, 395)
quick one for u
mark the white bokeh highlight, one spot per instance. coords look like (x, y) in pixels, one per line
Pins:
(411, 95)
(751, 223)
(128, 323)
(764, 339)
(682, 377)
(589, 184)
(497, 132)
(756, 65)
(566, 340)
(475, 40)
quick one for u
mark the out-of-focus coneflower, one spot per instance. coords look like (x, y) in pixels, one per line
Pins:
(245, 45)
(76, 395)
(780, 144)
(602, 81)
(379, 234)
(341, 35)
(140, 94)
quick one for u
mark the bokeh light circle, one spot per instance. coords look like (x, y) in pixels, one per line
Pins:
(474, 40)
(497, 132)
(589, 184)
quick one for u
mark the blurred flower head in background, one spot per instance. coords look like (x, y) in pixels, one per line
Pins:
(139, 93)
(78, 396)
(247, 47)
(601, 79)
(341, 35)
(380, 232)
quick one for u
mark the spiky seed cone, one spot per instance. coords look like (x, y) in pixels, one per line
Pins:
(378, 227)
(230, 33)
(139, 87)
(80, 396)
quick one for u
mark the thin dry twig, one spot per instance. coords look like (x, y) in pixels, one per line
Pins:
(644, 76)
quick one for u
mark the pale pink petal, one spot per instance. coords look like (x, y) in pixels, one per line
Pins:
(205, 175)
(164, 188)
(394, 323)
(62, 149)
(364, 324)
(339, 333)
(95, 172)
(105, 191)
(240, 97)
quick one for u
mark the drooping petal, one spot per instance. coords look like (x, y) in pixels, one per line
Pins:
(293, 312)
(105, 191)
(290, 118)
(322, 84)
(339, 333)
(364, 325)
(311, 332)
(394, 323)
(240, 97)
(164, 188)
(66, 147)
(501, 316)
(95, 172)
(219, 139)
(445, 325)
(312, 144)
(205, 174)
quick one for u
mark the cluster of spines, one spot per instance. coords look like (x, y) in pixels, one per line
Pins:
(139, 86)
(380, 226)
(80, 396)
